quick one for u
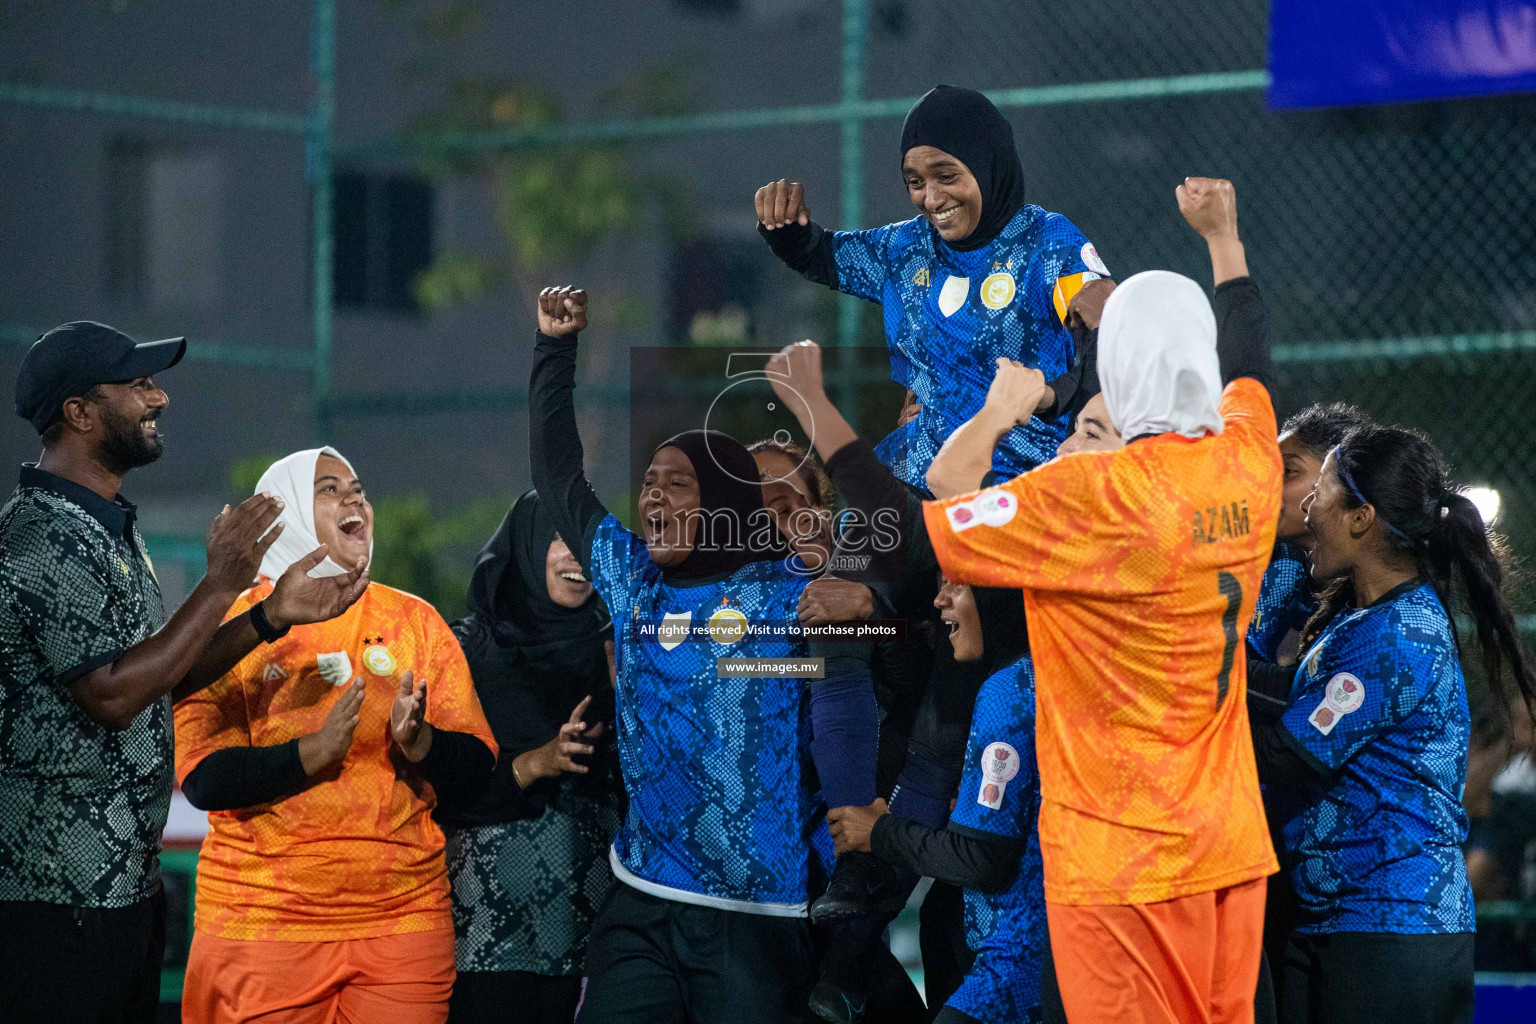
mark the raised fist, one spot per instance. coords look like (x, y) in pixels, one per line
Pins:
(1210, 206)
(1016, 390)
(795, 375)
(562, 311)
(782, 203)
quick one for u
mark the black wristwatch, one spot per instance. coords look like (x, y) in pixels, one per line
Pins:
(263, 625)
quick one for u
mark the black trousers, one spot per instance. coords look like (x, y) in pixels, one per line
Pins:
(494, 997)
(656, 961)
(1357, 977)
(81, 964)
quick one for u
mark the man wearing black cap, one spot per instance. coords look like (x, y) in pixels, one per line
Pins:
(89, 665)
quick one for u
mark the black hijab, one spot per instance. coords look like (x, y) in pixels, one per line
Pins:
(532, 660)
(734, 528)
(965, 124)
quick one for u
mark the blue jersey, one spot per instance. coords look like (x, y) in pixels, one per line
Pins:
(1000, 796)
(949, 315)
(1285, 603)
(1380, 702)
(718, 813)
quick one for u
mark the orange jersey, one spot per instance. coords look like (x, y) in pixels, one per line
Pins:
(1140, 570)
(355, 853)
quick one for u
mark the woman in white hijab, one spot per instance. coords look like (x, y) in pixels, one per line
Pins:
(322, 886)
(1139, 568)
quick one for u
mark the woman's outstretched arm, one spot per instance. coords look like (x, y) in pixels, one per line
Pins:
(555, 452)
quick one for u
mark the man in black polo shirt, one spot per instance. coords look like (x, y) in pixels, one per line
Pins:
(89, 666)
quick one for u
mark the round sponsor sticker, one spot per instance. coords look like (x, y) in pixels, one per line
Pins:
(990, 794)
(997, 290)
(999, 762)
(1091, 259)
(378, 660)
(727, 626)
(1345, 693)
(961, 514)
(996, 509)
(1324, 716)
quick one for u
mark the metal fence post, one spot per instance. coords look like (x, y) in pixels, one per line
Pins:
(855, 36)
(318, 164)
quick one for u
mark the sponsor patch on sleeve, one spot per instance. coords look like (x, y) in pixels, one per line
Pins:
(1345, 695)
(999, 764)
(1092, 261)
(989, 508)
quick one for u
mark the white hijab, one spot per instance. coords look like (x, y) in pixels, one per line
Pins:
(1157, 357)
(292, 479)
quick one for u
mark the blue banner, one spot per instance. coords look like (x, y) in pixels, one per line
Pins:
(1325, 53)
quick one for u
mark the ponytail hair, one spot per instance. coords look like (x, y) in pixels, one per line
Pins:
(1426, 517)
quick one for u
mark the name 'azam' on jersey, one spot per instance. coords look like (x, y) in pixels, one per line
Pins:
(718, 813)
(949, 315)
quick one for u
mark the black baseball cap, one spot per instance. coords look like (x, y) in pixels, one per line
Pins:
(73, 358)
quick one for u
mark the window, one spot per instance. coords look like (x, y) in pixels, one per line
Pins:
(383, 240)
(164, 232)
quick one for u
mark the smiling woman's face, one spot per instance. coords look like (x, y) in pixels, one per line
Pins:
(944, 191)
(343, 517)
(957, 607)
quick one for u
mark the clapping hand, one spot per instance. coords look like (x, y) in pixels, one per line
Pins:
(407, 719)
(239, 538)
(559, 754)
(300, 598)
(329, 744)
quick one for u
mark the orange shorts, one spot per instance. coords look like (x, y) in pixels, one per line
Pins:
(1193, 960)
(402, 979)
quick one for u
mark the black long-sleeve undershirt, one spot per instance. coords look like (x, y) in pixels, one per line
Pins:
(1286, 768)
(457, 762)
(554, 447)
(239, 777)
(1242, 332)
(957, 855)
(236, 777)
(1269, 689)
(805, 249)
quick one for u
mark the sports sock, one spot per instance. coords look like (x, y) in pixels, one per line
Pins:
(845, 737)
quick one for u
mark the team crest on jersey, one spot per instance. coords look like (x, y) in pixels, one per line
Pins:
(952, 295)
(378, 660)
(1345, 694)
(673, 629)
(997, 290)
(999, 764)
(335, 667)
(727, 626)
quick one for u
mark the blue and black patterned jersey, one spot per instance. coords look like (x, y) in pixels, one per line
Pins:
(1000, 795)
(949, 315)
(1285, 603)
(1380, 701)
(718, 811)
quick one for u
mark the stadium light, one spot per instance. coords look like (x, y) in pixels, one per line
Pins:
(1487, 501)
